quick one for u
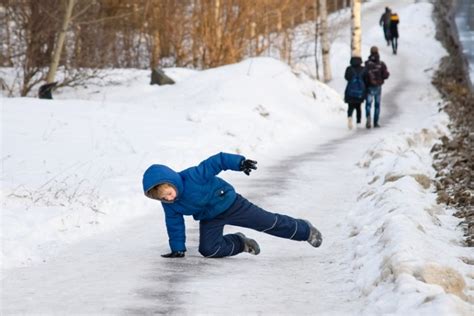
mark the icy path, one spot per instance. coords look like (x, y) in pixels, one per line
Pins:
(122, 272)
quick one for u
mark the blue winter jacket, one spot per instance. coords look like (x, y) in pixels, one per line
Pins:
(199, 193)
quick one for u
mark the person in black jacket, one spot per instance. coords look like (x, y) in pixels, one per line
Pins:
(352, 96)
(384, 22)
(394, 20)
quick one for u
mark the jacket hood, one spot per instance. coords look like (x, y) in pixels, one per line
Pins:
(374, 57)
(159, 174)
(356, 61)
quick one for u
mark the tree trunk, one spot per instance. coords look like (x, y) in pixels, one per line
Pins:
(9, 53)
(155, 32)
(60, 42)
(155, 51)
(325, 45)
(218, 45)
(356, 32)
(316, 37)
(217, 21)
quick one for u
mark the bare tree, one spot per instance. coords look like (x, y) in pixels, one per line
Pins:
(29, 36)
(152, 17)
(31, 27)
(356, 32)
(325, 44)
(60, 41)
(316, 49)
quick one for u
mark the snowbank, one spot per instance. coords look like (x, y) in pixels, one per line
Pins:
(407, 255)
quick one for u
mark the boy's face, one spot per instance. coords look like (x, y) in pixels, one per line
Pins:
(167, 193)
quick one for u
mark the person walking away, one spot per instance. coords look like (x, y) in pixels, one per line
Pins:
(356, 90)
(385, 23)
(197, 191)
(394, 20)
(376, 74)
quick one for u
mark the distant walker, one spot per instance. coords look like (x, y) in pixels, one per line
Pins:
(394, 20)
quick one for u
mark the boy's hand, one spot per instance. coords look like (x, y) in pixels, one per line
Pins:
(248, 165)
(174, 254)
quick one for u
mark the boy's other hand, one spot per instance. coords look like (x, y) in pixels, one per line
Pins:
(174, 254)
(248, 165)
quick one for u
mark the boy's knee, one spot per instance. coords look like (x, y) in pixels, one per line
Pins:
(208, 250)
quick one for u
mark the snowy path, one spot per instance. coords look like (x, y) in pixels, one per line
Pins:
(122, 272)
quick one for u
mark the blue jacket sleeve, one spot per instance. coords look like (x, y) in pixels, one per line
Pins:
(176, 229)
(217, 163)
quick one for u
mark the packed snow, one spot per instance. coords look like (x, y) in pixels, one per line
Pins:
(79, 237)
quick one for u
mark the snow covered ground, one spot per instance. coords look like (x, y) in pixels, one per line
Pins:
(79, 237)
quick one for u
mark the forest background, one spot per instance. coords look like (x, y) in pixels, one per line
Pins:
(79, 38)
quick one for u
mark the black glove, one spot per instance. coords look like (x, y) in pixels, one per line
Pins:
(247, 165)
(174, 254)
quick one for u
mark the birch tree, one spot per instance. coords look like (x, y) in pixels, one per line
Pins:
(325, 44)
(60, 42)
(355, 28)
(316, 37)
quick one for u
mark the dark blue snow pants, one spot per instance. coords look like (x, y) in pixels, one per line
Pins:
(212, 242)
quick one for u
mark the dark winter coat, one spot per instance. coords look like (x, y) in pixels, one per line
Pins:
(394, 25)
(375, 65)
(355, 68)
(385, 18)
(199, 193)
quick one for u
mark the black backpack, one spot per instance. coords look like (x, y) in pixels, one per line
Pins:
(376, 73)
(355, 88)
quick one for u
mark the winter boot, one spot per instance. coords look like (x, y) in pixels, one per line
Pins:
(315, 238)
(376, 124)
(250, 245)
(367, 124)
(349, 122)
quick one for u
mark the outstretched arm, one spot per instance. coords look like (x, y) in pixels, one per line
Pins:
(176, 232)
(217, 163)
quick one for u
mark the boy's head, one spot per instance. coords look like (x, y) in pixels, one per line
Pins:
(164, 192)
